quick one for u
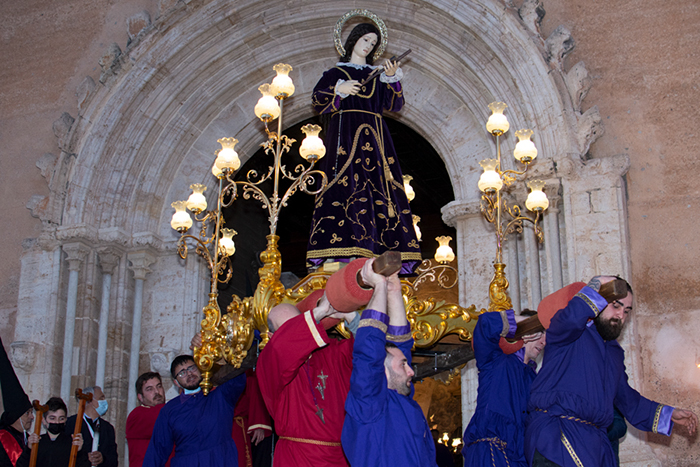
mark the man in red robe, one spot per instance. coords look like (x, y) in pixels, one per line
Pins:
(304, 375)
(140, 422)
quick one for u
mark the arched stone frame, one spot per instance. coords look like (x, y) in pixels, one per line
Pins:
(192, 77)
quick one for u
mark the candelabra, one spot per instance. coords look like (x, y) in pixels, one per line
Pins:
(508, 219)
(229, 336)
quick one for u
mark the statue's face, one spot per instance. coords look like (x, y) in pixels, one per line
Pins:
(365, 44)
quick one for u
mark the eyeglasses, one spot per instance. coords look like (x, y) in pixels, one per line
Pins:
(190, 369)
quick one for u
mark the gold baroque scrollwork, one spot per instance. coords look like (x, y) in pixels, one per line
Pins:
(498, 290)
(270, 290)
(432, 319)
(212, 342)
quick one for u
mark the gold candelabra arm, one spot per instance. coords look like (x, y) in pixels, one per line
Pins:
(510, 176)
(488, 208)
(201, 249)
(303, 181)
(224, 267)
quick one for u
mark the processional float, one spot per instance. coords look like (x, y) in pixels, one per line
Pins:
(229, 335)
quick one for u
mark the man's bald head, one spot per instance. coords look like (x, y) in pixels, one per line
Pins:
(280, 314)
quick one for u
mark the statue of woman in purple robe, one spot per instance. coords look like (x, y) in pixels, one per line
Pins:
(363, 210)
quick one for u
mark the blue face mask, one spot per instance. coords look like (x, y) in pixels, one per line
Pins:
(102, 407)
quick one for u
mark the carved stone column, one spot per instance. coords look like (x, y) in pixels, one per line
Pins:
(476, 247)
(140, 261)
(551, 238)
(75, 255)
(470, 386)
(109, 259)
(532, 264)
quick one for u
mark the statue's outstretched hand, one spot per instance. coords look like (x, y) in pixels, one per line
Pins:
(391, 67)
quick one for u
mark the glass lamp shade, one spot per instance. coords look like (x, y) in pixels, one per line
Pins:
(197, 202)
(525, 151)
(227, 157)
(282, 86)
(181, 220)
(267, 108)
(490, 181)
(410, 193)
(497, 123)
(312, 147)
(217, 172)
(416, 220)
(537, 199)
(226, 245)
(444, 253)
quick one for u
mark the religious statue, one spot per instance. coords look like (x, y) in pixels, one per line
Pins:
(363, 211)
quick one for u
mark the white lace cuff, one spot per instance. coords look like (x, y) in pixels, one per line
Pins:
(398, 76)
(342, 95)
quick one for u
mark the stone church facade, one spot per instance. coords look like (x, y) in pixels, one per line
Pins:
(112, 110)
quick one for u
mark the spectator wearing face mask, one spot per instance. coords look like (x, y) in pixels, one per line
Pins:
(55, 445)
(100, 445)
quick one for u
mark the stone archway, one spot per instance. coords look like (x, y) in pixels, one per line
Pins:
(150, 129)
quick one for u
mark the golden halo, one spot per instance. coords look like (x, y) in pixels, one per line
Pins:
(367, 14)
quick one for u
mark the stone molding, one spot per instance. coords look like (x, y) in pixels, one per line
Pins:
(457, 210)
(575, 170)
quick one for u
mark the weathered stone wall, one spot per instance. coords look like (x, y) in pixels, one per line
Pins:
(643, 62)
(641, 65)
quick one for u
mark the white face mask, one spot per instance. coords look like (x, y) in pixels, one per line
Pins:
(102, 407)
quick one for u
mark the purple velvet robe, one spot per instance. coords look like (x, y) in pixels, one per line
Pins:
(363, 211)
(581, 379)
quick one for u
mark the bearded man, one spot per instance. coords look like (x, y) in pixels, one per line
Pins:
(197, 426)
(582, 377)
(384, 426)
(141, 420)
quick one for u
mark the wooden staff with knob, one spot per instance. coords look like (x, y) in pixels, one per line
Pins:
(83, 399)
(39, 409)
(386, 264)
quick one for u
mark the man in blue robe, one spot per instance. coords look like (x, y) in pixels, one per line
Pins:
(384, 426)
(197, 426)
(495, 434)
(582, 376)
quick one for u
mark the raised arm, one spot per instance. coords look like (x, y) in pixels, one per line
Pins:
(368, 384)
(489, 329)
(568, 324)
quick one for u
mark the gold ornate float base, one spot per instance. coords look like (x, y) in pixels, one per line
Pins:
(229, 337)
